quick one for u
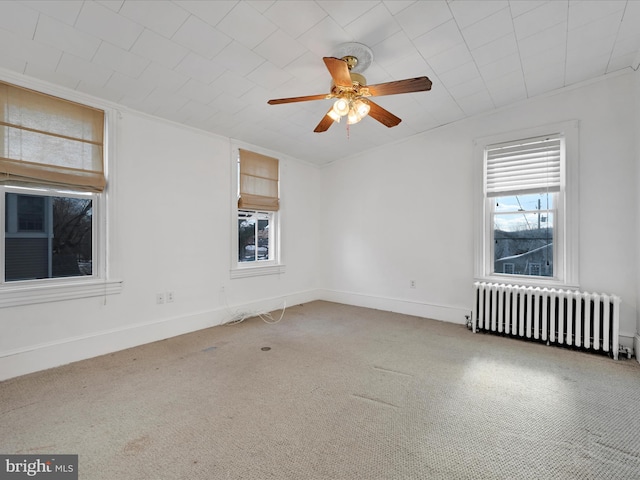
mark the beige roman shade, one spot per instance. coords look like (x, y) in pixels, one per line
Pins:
(258, 182)
(46, 140)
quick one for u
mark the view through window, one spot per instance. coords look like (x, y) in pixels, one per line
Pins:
(254, 234)
(523, 234)
(47, 236)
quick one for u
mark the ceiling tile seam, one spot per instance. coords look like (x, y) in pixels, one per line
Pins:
(566, 47)
(435, 79)
(487, 42)
(524, 12)
(384, 2)
(306, 51)
(62, 52)
(358, 17)
(311, 27)
(301, 34)
(223, 17)
(75, 20)
(189, 15)
(472, 57)
(480, 19)
(380, 3)
(549, 27)
(133, 44)
(613, 45)
(515, 36)
(595, 19)
(33, 35)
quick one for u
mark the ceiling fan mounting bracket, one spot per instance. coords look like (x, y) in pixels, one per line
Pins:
(351, 61)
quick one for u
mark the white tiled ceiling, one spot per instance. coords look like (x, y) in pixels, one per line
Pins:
(214, 64)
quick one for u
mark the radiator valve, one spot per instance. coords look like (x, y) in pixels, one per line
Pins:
(622, 350)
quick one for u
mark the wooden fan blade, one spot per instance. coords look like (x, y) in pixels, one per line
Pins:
(383, 116)
(418, 84)
(339, 71)
(325, 123)
(279, 101)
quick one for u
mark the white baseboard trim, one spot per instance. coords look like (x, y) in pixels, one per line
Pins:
(407, 307)
(636, 347)
(22, 361)
(38, 357)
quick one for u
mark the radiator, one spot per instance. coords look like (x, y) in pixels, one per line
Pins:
(584, 320)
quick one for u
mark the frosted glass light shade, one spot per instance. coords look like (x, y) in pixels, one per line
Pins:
(334, 116)
(362, 107)
(353, 117)
(341, 107)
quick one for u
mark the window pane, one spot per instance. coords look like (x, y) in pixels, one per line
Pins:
(263, 239)
(30, 213)
(523, 233)
(520, 203)
(253, 236)
(246, 238)
(47, 237)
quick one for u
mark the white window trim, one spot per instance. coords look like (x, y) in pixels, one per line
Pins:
(568, 234)
(17, 295)
(263, 267)
(105, 281)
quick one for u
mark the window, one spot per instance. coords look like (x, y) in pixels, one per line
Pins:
(52, 180)
(528, 211)
(257, 213)
(47, 236)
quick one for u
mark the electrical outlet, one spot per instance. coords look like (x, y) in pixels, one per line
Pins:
(169, 297)
(159, 298)
(412, 283)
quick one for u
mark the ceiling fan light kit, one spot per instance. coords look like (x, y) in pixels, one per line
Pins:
(352, 93)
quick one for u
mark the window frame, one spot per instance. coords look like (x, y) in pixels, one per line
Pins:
(273, 266)
(105, 269)
(566, 254)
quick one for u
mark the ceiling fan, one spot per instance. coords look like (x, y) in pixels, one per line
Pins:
(352, 93)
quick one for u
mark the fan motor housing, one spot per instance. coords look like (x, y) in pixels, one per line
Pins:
(357, 78)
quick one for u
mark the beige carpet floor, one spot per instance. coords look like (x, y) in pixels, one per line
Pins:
(333, 392)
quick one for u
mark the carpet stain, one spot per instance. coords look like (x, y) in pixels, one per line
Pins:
(137, 445)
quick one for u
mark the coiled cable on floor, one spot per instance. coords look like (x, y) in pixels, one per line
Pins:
(239, 317)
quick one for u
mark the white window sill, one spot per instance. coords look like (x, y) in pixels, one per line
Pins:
(16, 295)
(258, 270)
(527, 281)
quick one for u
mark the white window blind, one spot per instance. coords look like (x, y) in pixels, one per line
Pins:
(527, 165)
(47, 140)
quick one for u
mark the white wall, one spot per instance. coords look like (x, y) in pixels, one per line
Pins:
(171, 225)
(404, 212)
